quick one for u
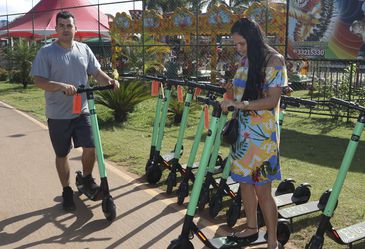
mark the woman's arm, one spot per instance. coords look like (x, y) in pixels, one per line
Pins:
(270, 101)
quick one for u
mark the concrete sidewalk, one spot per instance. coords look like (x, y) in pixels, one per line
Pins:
(31, 215)
(30, 208)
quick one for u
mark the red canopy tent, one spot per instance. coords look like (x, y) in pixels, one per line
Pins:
(40, 21)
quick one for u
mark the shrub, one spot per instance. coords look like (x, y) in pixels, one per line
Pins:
(17, 76)
(22, 54)
(3, 74)
(124, 100)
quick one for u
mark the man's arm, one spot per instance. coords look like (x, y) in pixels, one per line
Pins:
(104, 79)
(54, 86)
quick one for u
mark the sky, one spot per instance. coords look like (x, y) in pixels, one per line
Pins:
(23, 6)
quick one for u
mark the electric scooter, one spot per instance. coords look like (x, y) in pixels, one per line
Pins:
(156, 163)
(171, 180)
(107, 205)
(355, 232)
(183, 190)
(183, 242)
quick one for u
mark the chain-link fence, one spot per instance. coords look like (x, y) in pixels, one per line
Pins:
(185, 40)
(321, 80)
(179, 39)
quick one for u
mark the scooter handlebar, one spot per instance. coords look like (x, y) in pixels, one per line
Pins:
(208, 101)
(297, 101)
(231, 108)
(348, 104)
(168, 80)
(95, 88)
(213, 88)
(214, 103)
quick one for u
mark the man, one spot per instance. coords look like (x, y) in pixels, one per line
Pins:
(59, 68)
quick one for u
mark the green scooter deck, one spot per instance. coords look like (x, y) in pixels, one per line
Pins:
(352, 233)
(223, 243)
(299, 210)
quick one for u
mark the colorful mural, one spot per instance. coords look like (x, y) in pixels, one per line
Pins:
(326, 29)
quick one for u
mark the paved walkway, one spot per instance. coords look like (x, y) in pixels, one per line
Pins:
(30, 206)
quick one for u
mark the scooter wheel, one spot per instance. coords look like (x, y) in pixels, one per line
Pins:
(203, 198)
(233, 213)
(219, 161)
(283, 232)
(109, 208)
(153, 174)
(182, 192)
(148, 164)
(315, 243)
(215, 205)
(170, 182)
(180, 244)
(224, 163)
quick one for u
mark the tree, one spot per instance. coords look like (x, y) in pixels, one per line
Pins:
(166, 5)
(22, 54)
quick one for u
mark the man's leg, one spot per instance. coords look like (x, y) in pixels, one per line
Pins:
(63, 170)
(88, 160)
(82, 137)
(60, 135)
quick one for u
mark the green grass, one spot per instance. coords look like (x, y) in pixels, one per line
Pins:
(312, 148)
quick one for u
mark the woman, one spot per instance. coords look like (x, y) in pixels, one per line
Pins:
(256, 88)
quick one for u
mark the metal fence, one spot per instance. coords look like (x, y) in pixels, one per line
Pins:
(193, 42)
(189, 42)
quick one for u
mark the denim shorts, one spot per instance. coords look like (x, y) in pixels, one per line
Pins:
(61, 131)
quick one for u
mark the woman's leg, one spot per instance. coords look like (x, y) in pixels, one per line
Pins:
(270, 213)
(249, 199)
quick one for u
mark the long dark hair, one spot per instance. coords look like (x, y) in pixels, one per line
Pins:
(256, 51)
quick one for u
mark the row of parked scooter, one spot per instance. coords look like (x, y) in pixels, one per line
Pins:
(211, 180)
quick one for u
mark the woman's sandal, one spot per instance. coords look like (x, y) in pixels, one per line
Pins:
(246, 240)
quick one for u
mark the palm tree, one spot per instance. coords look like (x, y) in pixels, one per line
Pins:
(166, 5)
(22, 54)
(123, 100)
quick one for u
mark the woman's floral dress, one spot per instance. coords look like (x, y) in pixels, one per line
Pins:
(255, 156)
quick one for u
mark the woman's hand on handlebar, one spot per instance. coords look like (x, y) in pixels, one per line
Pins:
(227, 103)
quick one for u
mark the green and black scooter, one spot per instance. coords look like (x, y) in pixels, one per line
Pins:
(171, 180)
(156, 162)
(183, 190)
(107, 205)
(189, 227)
(355, 232)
